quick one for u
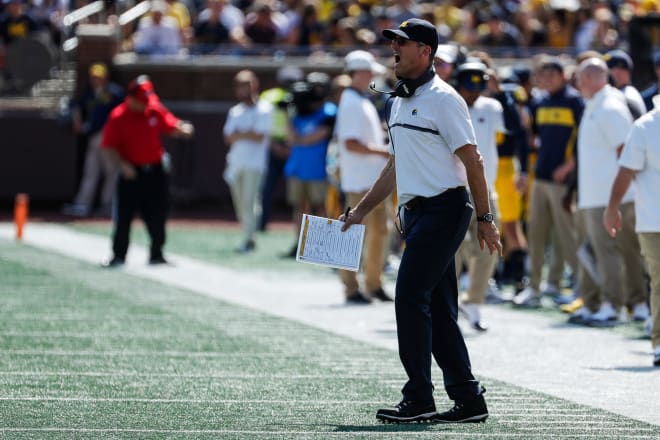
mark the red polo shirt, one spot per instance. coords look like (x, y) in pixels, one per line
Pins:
(136, 135)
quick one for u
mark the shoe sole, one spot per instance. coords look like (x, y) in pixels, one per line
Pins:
(481, 418)
(421, 418)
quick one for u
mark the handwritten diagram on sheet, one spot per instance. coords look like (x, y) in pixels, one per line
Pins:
(322, 242)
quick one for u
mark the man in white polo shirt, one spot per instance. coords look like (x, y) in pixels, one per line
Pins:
(433, 158)
(362, 156)
(640, 160)
(603, 129)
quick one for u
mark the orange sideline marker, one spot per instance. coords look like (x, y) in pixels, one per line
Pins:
(20, 213)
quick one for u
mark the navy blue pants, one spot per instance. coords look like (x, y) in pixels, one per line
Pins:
(148, 195)
(426, 300)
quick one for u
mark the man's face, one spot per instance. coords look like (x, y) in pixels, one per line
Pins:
(551, 80)
(243, 90)
(443, 69)
(469, 95)
(408, 57)
(620, 76)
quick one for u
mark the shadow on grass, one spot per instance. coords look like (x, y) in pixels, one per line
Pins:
(388, 427)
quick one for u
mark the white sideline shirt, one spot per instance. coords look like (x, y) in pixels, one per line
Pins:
(358, 119)
(246, 154)
(641, 153)
(487, 117)
(605, 124)
(426, 130)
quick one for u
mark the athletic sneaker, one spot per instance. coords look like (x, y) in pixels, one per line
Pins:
(473, 314)
(656, 356)
(606, 316)
(552, 290)
(408, 411)
(581, 316)
(528, 298)
(357, 298)
(381, 295)
(572, 307)
(641, 312)
(472, 411)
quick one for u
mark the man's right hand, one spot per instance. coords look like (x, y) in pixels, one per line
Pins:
(128, 171)
(352, 218)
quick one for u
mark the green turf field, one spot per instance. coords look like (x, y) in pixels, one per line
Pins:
(91, 353)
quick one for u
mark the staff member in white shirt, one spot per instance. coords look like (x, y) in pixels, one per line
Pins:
(433, 157)
(487, 117)
(247, 133)
(362, 156)
(603, 129)
(640, 160)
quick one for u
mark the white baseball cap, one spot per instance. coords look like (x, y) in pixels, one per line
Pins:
(363, 60)
(447, 53)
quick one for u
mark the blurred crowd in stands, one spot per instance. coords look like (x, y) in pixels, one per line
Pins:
(301, 26)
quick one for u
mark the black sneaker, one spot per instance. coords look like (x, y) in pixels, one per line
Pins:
(408, 411)
(381, 295)
(472, 411)
(113, 263)
(154, 261)
(357, 298)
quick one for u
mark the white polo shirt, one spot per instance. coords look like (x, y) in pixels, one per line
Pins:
(426, 130)
(244, 153)
(642, 154)
(487, 117)
(605, 125)
(358, 119)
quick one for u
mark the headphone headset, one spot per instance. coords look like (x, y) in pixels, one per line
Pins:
(405, 88)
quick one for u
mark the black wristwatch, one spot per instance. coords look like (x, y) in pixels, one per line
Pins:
(486, 218)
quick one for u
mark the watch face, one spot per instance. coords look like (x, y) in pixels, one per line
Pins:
(488, 218)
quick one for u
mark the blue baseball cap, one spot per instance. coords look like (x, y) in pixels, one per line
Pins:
(618, 58)
(472, 76)
(415, 29)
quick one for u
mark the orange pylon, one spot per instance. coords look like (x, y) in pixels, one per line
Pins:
(20, 213)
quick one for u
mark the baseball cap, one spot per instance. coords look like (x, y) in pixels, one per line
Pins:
(618, 58)
(159, 6)
(142, 89)
(289, 74)
(447, 53)
(362, 60)
(98, 70)
(415, 29)
(472, 76)
(552, 63)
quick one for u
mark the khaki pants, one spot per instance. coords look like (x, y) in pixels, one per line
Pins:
(375, 241)
(619, 260)
(546, 213)
(245, 195)
(587, 287)
(480, 262)
(650, 244)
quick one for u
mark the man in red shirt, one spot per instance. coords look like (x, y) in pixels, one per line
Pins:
(131, 137)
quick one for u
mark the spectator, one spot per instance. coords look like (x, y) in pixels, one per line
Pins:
(362, 156)
(278, 151)
(247, 132)
(444, 61)
(16, 24)
(653, 90)
(310, 132)
(90, 111)
(556, 117)
(640, 162)
(603, 129)
(157, 34)
(500, 33)
(487, 119)
(621, 66)
(132, 139)
(259, 25)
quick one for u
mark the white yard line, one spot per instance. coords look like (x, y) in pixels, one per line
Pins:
(588, 366)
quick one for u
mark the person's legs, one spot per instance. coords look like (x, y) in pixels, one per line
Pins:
(251, 182)
(91, 174)
(154, 204)
(628, 243)
(433, 235)
(275, 171)
(375, 243)
(127, 201)
(650, 245)
(348, 277)
(110, 175)
(539, 231)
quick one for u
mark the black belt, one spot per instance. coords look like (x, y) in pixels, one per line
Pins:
(146, 168)
(419, 201)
